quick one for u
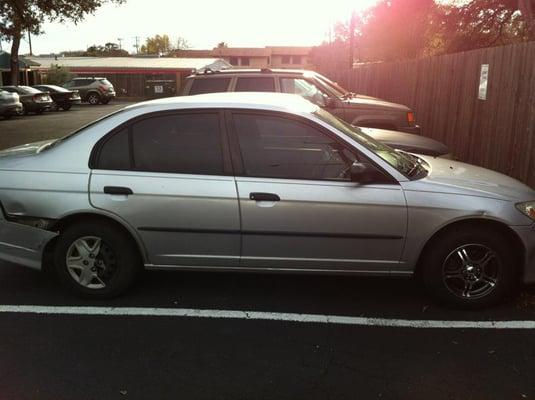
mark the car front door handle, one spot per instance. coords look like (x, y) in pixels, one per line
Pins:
(118, 190)
(257, 196)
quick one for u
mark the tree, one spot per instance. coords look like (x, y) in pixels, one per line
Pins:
(162, 45)
(108, 50)
(407, 29)
(18, 16)
(222, 45)
(58, 75)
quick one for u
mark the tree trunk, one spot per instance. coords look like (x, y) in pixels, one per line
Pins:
(14, 61)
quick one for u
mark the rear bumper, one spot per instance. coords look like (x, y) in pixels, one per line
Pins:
(21, 244)
(38, 106)
(527, 236)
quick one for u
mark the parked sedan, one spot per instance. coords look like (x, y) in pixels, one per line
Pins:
(32, 100)
(9, 104)
(62, 97)
(258, 182)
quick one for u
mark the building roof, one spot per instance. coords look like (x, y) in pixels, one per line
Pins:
(145, 63)
(23, 62)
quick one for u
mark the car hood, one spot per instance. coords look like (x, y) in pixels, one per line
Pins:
(448, 176)
(373, 102)
(26, 149)
(408, 142)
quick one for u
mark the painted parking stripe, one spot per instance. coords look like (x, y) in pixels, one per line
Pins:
(265, 316)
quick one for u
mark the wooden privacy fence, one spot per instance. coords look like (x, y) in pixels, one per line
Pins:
(497, 133)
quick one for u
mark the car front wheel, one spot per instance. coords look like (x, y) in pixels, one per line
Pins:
(96, 260)
(470, 268)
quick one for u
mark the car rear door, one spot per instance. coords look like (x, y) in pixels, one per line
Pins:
(299, 208)
(169, 177)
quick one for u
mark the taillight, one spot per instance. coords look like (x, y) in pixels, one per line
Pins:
(41, 98)
(411, 119)
(103, 88)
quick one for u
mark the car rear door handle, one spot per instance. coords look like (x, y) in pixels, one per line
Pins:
(257, 196)
(117, 190)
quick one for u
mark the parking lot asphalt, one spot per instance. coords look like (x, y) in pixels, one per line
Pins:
(68, 354)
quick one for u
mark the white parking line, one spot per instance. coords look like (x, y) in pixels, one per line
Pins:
(265, 316)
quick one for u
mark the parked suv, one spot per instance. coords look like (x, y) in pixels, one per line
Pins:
(362, 111)
(93, 90)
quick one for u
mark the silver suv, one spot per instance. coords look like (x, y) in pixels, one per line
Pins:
(93, 90)
(258, 182)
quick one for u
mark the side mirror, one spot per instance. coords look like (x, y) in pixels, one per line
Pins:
(363, 173)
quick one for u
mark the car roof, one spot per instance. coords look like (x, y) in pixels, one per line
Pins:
(245, 100)
(266, 71)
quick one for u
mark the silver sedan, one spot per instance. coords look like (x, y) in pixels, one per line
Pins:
(258, 182)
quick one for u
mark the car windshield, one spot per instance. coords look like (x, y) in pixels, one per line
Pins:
(338, 90)
(409, 165)
(54, 88)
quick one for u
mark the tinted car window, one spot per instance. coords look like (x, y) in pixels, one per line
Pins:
(277, 147)
(115, 153)
(186, 143)
(209, 85)
(258, 84)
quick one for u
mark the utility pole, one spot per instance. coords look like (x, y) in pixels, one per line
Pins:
(136, 38)
(30, 42)
(120, 40)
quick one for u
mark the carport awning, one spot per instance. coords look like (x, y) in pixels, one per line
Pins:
(23, 62)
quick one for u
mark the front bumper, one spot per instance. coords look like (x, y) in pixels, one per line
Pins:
(527, 236)
(22, 244)
(415, 130)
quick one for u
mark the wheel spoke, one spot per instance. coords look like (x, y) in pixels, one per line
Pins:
(489, 256)
(463, 255)
(488, 280)
(467, 288)
(453, 274)
(86, 277)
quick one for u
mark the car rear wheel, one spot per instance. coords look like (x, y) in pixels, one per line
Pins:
(93, 98)
(105, 101)
(66, 106)
(96, 260)
(470, 268)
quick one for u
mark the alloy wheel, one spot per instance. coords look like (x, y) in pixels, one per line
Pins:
(471, 271)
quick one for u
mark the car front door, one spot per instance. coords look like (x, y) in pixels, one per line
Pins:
(299, 208)
(169, 177)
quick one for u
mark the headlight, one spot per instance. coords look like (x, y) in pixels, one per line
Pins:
(527, 208)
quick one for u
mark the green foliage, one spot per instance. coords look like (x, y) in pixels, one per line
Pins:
(108, 50)
(58, 75)
(162, 45)
(408, 29)
(17, 16)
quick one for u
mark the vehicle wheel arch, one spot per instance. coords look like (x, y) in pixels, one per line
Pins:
(79, 217)
(90, 92)
(494, 225)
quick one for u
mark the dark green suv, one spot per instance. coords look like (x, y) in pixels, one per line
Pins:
(92, 89)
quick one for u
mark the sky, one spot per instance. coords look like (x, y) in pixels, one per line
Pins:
(205, 23)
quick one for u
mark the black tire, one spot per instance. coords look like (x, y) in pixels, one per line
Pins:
(116, 264)
(93, 98)
(490, 266)
(66, 106)
(105, 100)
